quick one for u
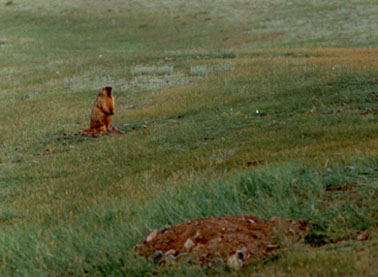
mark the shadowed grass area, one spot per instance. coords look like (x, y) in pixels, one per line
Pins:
(203, 89)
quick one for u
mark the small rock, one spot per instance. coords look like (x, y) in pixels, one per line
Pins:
(234, 262)
(170, 252)
(350, 168)
(242, 250)
(152, 235)
(138, 246)
(184, 257)
(157, 256)
(189, 244)
(162, 230)
(271, 247)
(366, 112)
(251, 221)
(362, 236)
(205, 255)
(198, 248)
(275, 219)
(183, 254)
(188, 260)
(197, 235)
(170, 257)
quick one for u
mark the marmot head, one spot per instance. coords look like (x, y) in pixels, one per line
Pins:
(107, 90)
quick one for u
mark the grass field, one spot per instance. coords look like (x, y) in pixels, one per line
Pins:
(202, 88)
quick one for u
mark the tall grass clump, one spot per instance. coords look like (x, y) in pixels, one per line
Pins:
(288, 191)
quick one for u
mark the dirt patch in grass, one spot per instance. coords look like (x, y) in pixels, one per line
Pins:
(113, 130)
(95, 134)
(341, 188)
(236, 240)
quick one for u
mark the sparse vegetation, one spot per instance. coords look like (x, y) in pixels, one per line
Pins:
(199, 70)
(228, 109)
(152, 70)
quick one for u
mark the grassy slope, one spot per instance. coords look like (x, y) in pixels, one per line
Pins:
(64, 203)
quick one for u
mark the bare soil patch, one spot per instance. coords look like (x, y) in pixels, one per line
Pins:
(236, 240)
(340, 188)
(94, 134)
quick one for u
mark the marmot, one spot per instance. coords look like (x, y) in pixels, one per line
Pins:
(102, 112)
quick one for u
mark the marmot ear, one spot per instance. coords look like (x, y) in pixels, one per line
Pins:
(108, 90)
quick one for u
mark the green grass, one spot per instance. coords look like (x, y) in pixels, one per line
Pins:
(188, 79)
(102, 237)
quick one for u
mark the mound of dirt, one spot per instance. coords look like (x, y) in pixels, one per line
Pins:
(236, 240)
(95, 134)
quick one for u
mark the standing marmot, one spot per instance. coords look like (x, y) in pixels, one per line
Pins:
(101, 117)
(102, 112)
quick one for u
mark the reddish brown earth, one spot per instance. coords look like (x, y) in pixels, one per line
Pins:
(344, 188)
(254, 163)
(244, 238)
(94, 134)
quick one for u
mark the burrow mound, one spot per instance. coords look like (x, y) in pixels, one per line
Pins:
(95, 134)
(236, 240)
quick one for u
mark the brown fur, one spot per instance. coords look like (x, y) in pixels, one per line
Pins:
(102, 112)
(101, 117)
